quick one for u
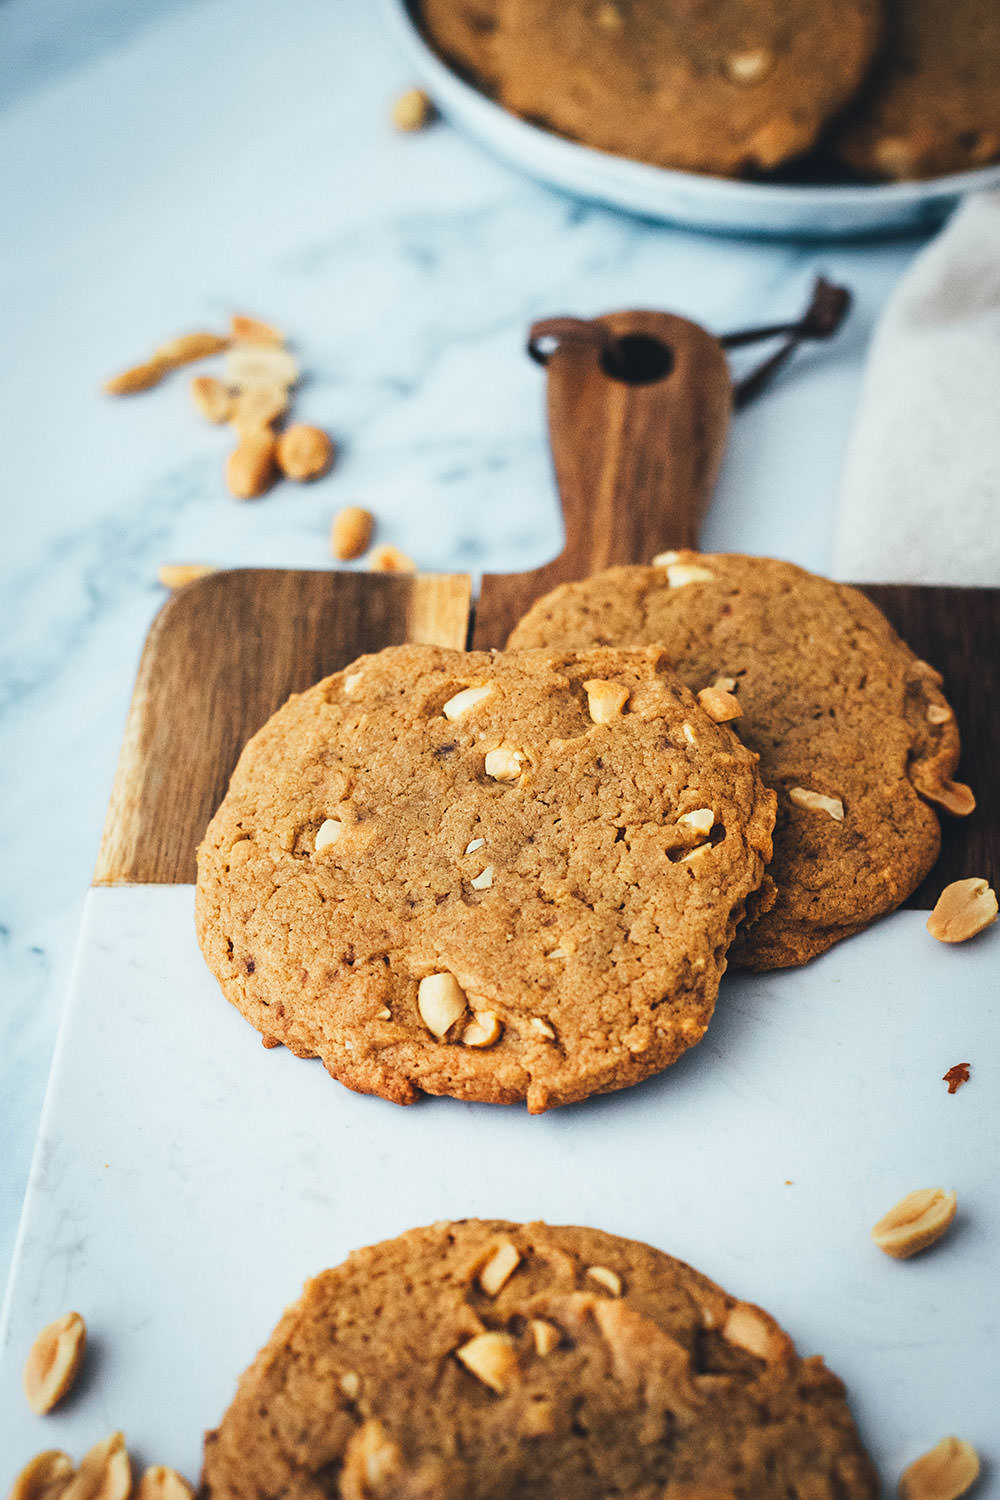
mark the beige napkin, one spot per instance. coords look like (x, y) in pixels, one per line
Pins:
(920, 496)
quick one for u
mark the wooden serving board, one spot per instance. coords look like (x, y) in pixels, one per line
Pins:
(635, 461)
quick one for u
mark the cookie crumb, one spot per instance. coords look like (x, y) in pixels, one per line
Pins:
(956, 1076)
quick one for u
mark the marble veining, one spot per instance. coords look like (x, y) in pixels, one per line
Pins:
(237, 155)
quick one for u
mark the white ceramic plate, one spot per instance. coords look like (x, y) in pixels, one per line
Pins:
(724, 206)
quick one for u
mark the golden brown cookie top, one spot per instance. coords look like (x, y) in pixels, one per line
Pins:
(719, 86)
(933, 102)
(492, 876)
(852, 731)
(491, 1359)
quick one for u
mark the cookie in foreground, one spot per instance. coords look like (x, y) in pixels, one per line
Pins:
(853, 731)
(488, 1359)
(498, 877)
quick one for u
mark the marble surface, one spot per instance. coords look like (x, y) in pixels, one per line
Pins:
(157, 172)
(762, 1157)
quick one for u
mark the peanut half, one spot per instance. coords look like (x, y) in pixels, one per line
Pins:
(253, 331)
(943, 1473)
(250, 466)
(211, 398)
(105, 1473)
(915, 1222)
(413, 110)
(43, 1477)
(162, 1483)
(137, 378)
(179, 575)
(440, 1001)
(351, 532)
(719, 705)
(54, 1361)
(963, 908)
(390, 559)
(492, 1358)
(803, 797)
(304, 452)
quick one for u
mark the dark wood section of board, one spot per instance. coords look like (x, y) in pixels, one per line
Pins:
(635, 460)
(221, 656)
(958, 632)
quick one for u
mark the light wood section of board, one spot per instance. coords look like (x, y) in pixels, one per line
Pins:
(223, 654)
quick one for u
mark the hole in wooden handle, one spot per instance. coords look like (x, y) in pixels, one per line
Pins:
(638, 359)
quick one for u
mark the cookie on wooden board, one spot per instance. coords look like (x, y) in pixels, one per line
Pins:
(933, 102)
(499, 877)
(852, 731)
(725, 88)
(490, 1359)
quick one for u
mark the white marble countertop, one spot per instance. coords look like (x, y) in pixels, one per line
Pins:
(158, 172)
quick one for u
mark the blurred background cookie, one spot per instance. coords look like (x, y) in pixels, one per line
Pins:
(484, 1359)
(933, 103)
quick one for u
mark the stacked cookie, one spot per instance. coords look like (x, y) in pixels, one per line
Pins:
(887, 88)
(520, 876)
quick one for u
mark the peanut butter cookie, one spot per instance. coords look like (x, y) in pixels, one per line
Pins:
(499, 877)
(852, 731)
(720, 88)
(933, 102)
(489, 1360)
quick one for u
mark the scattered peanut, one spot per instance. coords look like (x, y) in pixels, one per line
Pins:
(138, 378)
(351, 532)
(440, 1001)
(304, 452)
(54, 1361)
(250, 467)
(179, 575)
(257, 407)
(104, 1473)
(211, 398)
(390, 559)
(460, 703)
(188, 347)
(327, 833)
(503, 764)
(261, 364)
(943, 1473)
(252, 331)
(605, 700)
(483, 1030)
(499, 1268)
(719, 705)
(162, 1483)
(963, 909)
(817, 802)
(916, 1221)
(606, 1278)
(413, 110)
(492, 1358)
(43, 1477)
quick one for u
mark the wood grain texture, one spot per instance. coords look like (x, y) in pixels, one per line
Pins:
(634, 462)
(222, 655)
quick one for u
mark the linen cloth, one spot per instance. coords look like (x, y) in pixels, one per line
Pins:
(920, 494)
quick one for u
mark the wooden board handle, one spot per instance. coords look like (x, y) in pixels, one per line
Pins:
(637, 429)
